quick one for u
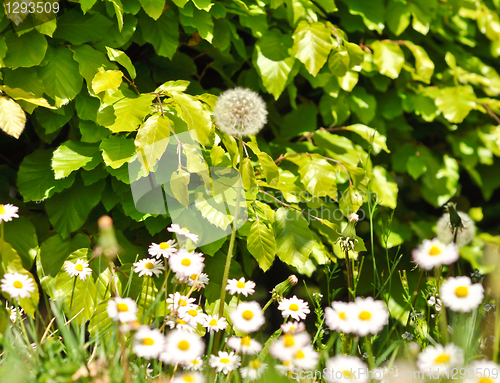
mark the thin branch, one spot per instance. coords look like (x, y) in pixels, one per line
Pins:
(289, 206)
(491, 113)
(132, 84)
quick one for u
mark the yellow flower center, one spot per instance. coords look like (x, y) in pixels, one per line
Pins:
(183, 345)
(195, 362)
(122, 307)
(184, 229)
(485, 380)
(186, 262)
(289, 341)
(18, 284)
(291, 329)
(245, 341)
(434, 251)
(182, 302)
(193, 313)
(365, 315)
(240, 285)
(247, 314)
(164, 246)
(2, 209)
(213, 322)
(287, 363)
(224, 360)
(300, 354)
(346, 373)
(254, 364)
(461, 291)
(443, 358)
(180, 321)
(79, 267)
(194, 276)
(149, 265)
(342, 315)
(294, 307)
(148, 342)
(188, 378)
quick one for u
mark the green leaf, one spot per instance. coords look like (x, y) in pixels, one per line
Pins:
(363, 104)
(455, 103)
(35, 179)
(179, 185)
(152, 139)
(200, 20)
(69, 209)
(71, 156)
(91, 132)
(377, 140)
(106, 80)
(339, 62)
(416, 167)
(153, 8)
(398, 16)
(196, 116)
(248, 176)
(178, 86)
(130, 112)
(90, 61)
(53, 120)
(163, 33)
(318, 176)
(60, 75)
(20, 94)
(117, 150)
(269, 167)
(423, 64)
(382, 183)
(300, 120)
(12, 117)
(21, 235)
(389, 58)
(87, 106)
(273, 62)
(294, 240)
(122, 59)
(78, 29)
(87, 4)
(356, 56)
(118, 7)
(24, 51)
(261, 244)
(372, 13)
(312, 45)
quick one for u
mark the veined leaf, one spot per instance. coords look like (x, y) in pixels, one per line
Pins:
(21, 235)
(24, 51)
(77, 28)
(339, 62)
(106, 80)
(90, 61)
(197, 118)
(389, 58)
(382, 183)
(117, 150)
(163, 33)
(423, 64)
(261, 244)
(377, 140)
(312, 45)
(248, 176)
(71, 156)
(130, 112)
(318, 176)
(179, 185)
(122, 59)
(456, 102)
(153, 8)
(12, 117)
(269, 167)
(20, 94)
(152, 139)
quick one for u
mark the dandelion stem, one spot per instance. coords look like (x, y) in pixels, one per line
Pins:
(349, 275)
(442, 316)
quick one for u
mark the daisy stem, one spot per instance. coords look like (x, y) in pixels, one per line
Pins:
(23, 327)
(72, 294)
(146, 297)
(368, 349)
(442, 316)
(497, 332)
(415, 297)
(231, 246)
(126, 372)
(210, 343)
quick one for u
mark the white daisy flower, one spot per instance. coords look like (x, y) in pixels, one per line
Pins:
(285, 368)
(294, 307)
(344, 369)
(293, 327)
(130, 326)
(287, 345)
(194, 364)
(247, 317)
(181, 324)
(434, 253)
(12, 310)
(245, 345)
(254, 370)
(367, 316)
(240, 287)
(465, 235)
(225, 362)
(337, 319)
(182, 347)
(240, 112)
(193, 316)
(148, 343)
(149, 266)
(440, 358)
(306, 358)
(185, 263)
(80, 268)
(484, 372)
(199, 280)
(7, 212)
(189, 377)
(214, 323)
(163, 249)
(123, 310)
(175, 228)
(460, 294)
(17, 285)
(176, 300)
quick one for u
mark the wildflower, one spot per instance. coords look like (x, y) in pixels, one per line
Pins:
(149, 266)
(13, 312)
(465, 234)
(163, 249)
(189, 377)
(440, 358)
(123, 310)
(306, 358)
(459, 294)
(476, 276)
(192, 316)
(247, 317)
(287, 345)
(254, 370)
(343, 369)
(185, 263)
(407, 336)
(293, 327)
(245, 345)
(7, 212)
(294, 307)
(240, 112)
(225, 362)
(182, 347)
(148, 343)
(240, 286)
(80, 268)
(368, 316)
(175, 228)
(130, 326)
(175, 301)
(485, 371)
(285, 368)
(336, 317)
(214, 323)
(194, 364)
(434, 253)
(198, 280)
(181, 324)
(17, 285)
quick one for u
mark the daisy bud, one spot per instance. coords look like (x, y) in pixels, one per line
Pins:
(108, 245)
(282, 289)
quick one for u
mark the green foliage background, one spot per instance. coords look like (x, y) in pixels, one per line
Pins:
(403, 94)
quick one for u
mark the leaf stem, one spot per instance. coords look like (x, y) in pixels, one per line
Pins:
(72, 294)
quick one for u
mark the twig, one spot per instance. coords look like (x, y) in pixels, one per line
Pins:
(491, 113)
(131, 83)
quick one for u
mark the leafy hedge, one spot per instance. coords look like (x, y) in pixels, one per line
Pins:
(389, 102)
